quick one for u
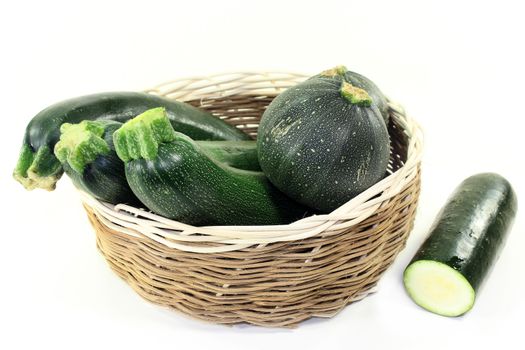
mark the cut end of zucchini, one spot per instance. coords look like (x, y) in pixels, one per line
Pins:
(355, 95)
(33, 181)
(336, 71)
(438, 288)
(38, 169)
(80, 144)
(140, 137)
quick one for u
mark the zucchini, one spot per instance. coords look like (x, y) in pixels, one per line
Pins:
(88, 157)
(174, 177)
(87, 154)
(37, 166)
(464, 243)
(323, 141)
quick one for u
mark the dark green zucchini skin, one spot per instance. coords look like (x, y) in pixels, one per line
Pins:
(471, 229)
(103, 175)
(105, 178)
(186, 185)
(237, 154)
(176, 178)
(318, 147)
(38, 168)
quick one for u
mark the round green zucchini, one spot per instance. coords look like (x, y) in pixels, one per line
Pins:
(464, 243)
(323, 142)
(176, 178)
(37, 166)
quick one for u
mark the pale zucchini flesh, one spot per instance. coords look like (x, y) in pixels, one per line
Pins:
(439, 288)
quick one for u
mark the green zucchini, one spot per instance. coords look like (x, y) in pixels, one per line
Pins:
(37, 166)
(176, 178)
(464, 243)
(322, 142)
(88, 157)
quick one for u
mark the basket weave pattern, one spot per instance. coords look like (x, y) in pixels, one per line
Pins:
(276, 275)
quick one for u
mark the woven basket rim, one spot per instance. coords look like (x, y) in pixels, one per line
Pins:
(266, 74)
(136, 222)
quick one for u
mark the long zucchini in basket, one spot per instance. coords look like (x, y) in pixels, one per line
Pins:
(87, 154)
(177, 178)
(37, 166)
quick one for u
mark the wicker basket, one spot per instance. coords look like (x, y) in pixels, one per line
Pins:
(273, 276)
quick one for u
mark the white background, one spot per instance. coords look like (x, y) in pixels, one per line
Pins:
(456, 66)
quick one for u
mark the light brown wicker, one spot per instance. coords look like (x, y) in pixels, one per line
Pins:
(272, 276)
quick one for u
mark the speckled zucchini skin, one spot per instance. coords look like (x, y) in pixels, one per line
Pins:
(318, 147)
(37, 166)
(104, 176)
(471, 229)
(185, 184)
(177, 178)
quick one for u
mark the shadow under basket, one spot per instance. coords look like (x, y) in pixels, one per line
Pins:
(274, 276)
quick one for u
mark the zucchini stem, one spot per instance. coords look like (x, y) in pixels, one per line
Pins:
(333, 72)
(80, 144)
(38, 169)
(355, 95)
(140, 137)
